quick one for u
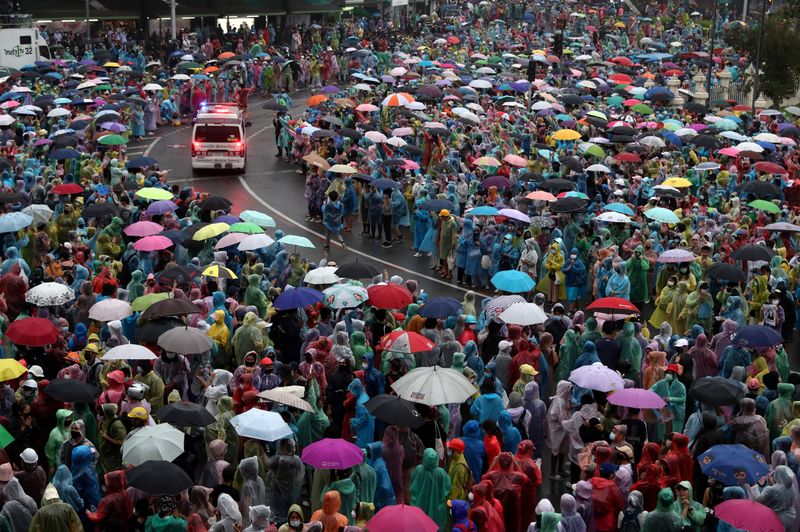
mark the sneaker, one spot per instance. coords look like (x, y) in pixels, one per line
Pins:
(417, 254)
(386, 244)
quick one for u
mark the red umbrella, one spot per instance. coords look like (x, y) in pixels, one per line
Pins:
(453, 39)
(628, 157)
(620, 60)
(771, 168)
(401, 518)
(613, 304)
(68, 188)
(389, 296)
(33, 332)
(746, 515)
(405, 342)
(620, 79)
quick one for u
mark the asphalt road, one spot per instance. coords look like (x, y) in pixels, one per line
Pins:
(272, 186)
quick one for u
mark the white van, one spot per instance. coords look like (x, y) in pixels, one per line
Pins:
(218, 138)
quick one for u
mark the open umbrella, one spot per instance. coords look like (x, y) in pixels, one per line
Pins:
(142, 303)
(47, 294)
(716, 391)
(752, 336)
(676, 256)
(324, 275)
(752, 516)
(441, 307)
(753, 252)
(298, 298)
(636, 398)
(157, 442)
(185, 414)
(434, 386)
(11, 369)
(170, 307)
(726, 272)
(405, 342)
(143, 228)
(261, 425)
(71, 391)
(110, 310)
(389, 296)
(597, 377)
(727, 463)
(129, 352)
(284, 397)
(345, 296)
(185, 341)
(613, 305)
(33, 332)
(394, 411)
(357, 270)
(524, 314)
(152, 243)
(513, 281)
(332, 453)
(158, 477)
(402, 518)
(254, 242)
(14, 221)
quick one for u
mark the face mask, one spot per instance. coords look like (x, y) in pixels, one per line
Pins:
(573, 257)
(470, 496)
(364, 365)
(671, 283)
(612, 436)
(774, 301)
(684, 270)
(669, 377)
(170, 356)
(295, 523)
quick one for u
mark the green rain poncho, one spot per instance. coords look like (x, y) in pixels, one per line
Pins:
(590, 334)
(637, 274)
(311, 425)
(247, 338)
(630, 350)
(58, 435)
(676, 392)
(253, 295)
(779, 411)
(430, 487)
(696, 515)
(662, 519)
(358, 344)
(222, 429)
(569, 351)
(366, 481)
(54, 515)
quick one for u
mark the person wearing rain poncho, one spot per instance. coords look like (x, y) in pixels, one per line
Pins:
(328, 515)
(222, 429)
(384, 492)
(663, 519)
(362, 423)
(57, 437)
(630, 351)
(253, 491)
(311, 425)
(66, 491)
(551, 279)
(430, 487)
(674, 394)
(230, 517)
(780, 496)
(285, 472)
(18, 508)
(779, 411)
(691, 513)
(618, 284)
(55, 515)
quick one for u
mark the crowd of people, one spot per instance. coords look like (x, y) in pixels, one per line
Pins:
(624, 266)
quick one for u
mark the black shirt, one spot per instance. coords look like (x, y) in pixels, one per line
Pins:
(608, 351)
(219, 489)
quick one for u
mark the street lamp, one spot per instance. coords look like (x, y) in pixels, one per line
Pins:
(757, 81)
(711, 53)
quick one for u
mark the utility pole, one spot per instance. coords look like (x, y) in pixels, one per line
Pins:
(173, 22)
(757, 65)
(711, 53)
(88, 27)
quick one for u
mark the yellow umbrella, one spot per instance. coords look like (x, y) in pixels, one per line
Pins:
(619, 24)
(111, 64)
(11, 369)
(210, 231)
(342, 169)
(677, 182)
(220, 272)
(486, 161)
(153, 193)
(566, 134)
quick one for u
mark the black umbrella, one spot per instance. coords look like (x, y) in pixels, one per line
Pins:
(394, 163)
(437, 205)
(558, 185)
(322, 134)
(716, 391)
(275, 106)
(357, 270)
(531, 176)
(441, 307)
(9, 197)
(438, 132)
(71, 391)
(157, 477)
(332, 120)
(566, 205)
(627, 131)
(176, 274)
(572, 163)
(704, 141)
(177, 237)
(215, 203)
(753, 252)
(350, 133)
(98, 210)
(64, 141)
(170, 307)
(726, 272)
(362, 178)
(571, 99)
(695, 107)
(192, 229)
(411, 149)
(185, 414)
(761, 189)
(149, 331)
(394, 411)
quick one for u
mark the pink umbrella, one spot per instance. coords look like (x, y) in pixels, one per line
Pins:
(746, 515)
(332, 453)
(676, 256)
(143, 228)
(410, 165)
(515, 160)
(231, 239)
(152, 243)
(402, 518)
(730, 152)
(698, 127)
(636, 398)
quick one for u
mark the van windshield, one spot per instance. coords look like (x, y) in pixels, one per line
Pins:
(221, 133)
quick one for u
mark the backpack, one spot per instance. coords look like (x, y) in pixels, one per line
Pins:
(630, 522)
(522, 424)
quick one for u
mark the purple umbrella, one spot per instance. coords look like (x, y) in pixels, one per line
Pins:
(330, 89)
(496, 181)
(521, 86)
(387, 79)
(636, 398)
(88, 62)
(698, 127)
(114, 127)
(42, 142)
(228, 219)
(676, 256)
(161, 207)
(330, 453)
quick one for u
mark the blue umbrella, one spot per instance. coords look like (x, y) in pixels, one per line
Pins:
(620, 208)
(441, 307)
(752, 336)
(14, 221)
(724, 462)
(161, 207)
(483, 210)
(437, 205)
(513, 281)
(298, 298)
(385, 183)
(65, 153)
(140, 162)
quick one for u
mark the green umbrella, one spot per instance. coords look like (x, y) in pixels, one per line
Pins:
(642, 109)
(5, 437)
(247, 228)
(258, 218)
(592, 149)
(113, 140)
(188, 65)
(140, 304)
(764, 205)
(660, 214)
(103, 87)
(614, 100)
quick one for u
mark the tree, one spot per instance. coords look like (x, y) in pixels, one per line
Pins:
(780, 63)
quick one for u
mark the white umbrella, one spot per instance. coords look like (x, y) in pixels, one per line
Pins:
(524, 314)
(58, 112)
(597, 377)
(256, 241)
(397, 142)
(345, 296)
(7, 120)
(375, 136)
(415, 106)
(261, 425)
(434, 386)
(40, 213)
(750, 146)
(185, 341)
(47, 294)
(599, 168)
(129, 352)
(324, 275)
(613, 217)
(480, 84)
(180, 77)
(286, 397)
(110, 310)
(157, 442)
(652, 142)
(86, 85)
(153, 87)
